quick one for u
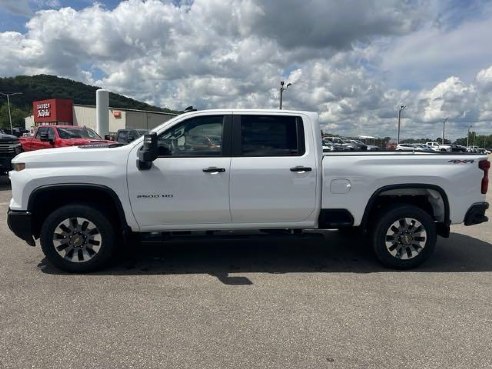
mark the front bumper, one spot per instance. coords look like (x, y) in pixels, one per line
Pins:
(476, 214)
(20, 223)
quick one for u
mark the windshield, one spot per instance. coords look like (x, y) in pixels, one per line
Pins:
(77, 132)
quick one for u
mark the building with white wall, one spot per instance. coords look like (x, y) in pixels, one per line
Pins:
(56, 111)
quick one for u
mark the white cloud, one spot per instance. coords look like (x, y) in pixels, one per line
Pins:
(354, 67)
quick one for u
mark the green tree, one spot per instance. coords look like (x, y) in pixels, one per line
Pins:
(17, 116)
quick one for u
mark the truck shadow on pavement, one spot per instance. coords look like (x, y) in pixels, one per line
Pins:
(228, 260)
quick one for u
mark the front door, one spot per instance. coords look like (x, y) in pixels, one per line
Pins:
(36, 143)
(188, 184)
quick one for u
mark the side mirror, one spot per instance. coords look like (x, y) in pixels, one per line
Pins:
(149, 152)
(45, 138)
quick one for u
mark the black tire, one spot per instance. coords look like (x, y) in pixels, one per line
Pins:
(78, 238)
(404, 236)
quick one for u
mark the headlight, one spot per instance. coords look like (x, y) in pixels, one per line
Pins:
(19, 166)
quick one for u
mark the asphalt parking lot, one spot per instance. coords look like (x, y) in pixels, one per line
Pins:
(314, 303)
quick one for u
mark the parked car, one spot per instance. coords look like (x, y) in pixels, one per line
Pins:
(373, 148)
(328, 146)
(458, 148)
(9, 148)
(413, 147)
(436, 146)
(127, 135)
(354, 145)
(422, 147)
(47, 137)
(335, 142)
(405, 147)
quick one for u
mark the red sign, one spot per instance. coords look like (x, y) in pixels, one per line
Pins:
(54, 111)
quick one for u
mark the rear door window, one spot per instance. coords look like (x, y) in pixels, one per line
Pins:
(265, 135)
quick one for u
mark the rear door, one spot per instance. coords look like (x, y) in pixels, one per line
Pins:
(273, 170)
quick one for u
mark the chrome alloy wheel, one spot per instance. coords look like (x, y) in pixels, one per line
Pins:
(406, 238)
(77, 239)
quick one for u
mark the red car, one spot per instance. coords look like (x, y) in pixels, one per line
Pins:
(47, 137)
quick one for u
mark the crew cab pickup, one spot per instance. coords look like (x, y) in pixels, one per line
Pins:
(216, 170)
(47, 137)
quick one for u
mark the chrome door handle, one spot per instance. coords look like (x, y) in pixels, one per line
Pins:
(213, 170)
(300, 169)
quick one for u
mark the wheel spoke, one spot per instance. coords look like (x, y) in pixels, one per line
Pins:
(62, 246)
(409, 252)
(90, 252)
(80, 254)
(93, 231)
(70, 253)
(84, 226)
(403, 223)
(74, 223)
(59, 236)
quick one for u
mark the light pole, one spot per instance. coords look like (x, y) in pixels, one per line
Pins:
(443, 129)
(399, 119)
(282, 89)
(8, 106)
(468, 137)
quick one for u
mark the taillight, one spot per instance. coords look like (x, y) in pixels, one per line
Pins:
(485, 166)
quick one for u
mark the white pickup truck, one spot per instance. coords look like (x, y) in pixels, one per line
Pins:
(436, 146)
(216, 170)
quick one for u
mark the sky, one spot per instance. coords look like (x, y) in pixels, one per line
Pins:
(355, 62)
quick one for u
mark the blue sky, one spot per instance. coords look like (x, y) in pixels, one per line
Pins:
(355, 68)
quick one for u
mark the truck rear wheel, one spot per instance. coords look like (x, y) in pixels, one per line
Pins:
(77, 238)
(404, 237)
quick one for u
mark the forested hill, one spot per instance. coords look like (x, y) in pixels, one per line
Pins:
(43, 87)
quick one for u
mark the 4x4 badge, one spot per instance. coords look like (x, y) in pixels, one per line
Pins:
(456, 161)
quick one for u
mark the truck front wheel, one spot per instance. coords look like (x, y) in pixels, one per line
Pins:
(404, 237)
(77, 238)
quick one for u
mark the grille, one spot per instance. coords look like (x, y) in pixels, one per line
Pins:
(8, 148)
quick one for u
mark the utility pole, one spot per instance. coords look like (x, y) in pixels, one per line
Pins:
(468, 138)
(443, 129)
(399, 119)
(282, 89)
(8, 106)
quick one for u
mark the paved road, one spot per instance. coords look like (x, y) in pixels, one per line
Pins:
(317, 303)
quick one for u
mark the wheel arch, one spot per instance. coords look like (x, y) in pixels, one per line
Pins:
(430, 198)
(47, 198)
